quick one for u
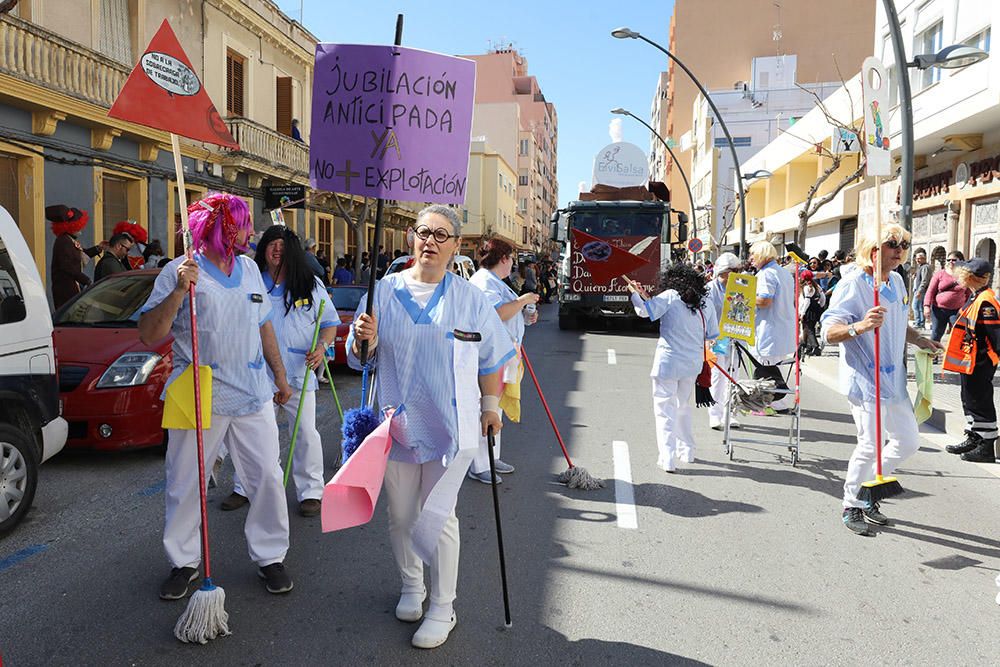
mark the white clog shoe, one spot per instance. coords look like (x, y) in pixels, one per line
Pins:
(410, 607)
(433, 632)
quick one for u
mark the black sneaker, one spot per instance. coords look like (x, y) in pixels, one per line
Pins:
(276, 578)
(176, 585)
(234, 501)
(874, 516)
(983, 453)
(854, 519)
(971, 441)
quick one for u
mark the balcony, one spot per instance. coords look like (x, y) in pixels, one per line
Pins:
(31, 53)
(267, 151)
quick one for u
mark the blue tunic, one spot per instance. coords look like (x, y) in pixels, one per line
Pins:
(776, 324)
(294, 330)
(414, 358)
(680, 351)
(499, 294)
(231, 310)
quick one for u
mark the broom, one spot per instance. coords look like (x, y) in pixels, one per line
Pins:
(573, 477)
(205, 617)
(703, 384)
(302, 395)
(881, 487)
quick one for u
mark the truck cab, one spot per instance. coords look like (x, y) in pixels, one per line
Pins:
(31, 428)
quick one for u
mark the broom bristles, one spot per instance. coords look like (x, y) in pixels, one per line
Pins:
(205, 617)
(703, 396)
(578, 478)
(878, 490)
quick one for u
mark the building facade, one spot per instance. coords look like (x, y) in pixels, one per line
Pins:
(61, 68)
(507, 97)
(491, 206)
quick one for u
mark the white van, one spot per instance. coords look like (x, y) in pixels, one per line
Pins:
(31, 428)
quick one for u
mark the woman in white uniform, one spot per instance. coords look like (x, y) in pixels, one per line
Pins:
(438, 346)
(726, 263)
(295, 295)
(777, 316)
(687, 319)
(235, 338)
(850, 321)
(496, 260)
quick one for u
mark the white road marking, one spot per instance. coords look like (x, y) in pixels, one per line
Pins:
(624, 494)
(612, 357)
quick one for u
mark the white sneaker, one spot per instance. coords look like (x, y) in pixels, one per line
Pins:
(715, 424)
(411, 607)
(433, 632)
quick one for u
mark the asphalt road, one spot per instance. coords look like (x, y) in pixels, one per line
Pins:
(729, 562)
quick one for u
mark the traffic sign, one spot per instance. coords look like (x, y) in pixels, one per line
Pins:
(695, 245)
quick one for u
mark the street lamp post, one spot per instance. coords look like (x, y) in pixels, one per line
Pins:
(625, 33)
(951, 57)
(687, 185)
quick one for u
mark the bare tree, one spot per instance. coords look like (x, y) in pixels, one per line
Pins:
(360, 225)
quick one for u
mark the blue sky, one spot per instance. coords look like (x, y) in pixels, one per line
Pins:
(580, 67)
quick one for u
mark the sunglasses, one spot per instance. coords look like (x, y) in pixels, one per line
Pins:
(424, 232)
(951, 260)
(893, 244)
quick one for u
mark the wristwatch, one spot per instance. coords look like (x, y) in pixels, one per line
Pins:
(852, 331)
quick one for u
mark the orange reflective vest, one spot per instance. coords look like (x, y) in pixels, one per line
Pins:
(962, 347)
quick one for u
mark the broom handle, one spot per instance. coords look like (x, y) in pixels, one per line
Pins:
(798, 333)
(491, 443)
(302, 396)
(175, 145)
(527, 363)
(878, 345)
(333, 387)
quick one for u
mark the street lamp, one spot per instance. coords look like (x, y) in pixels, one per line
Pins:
(626, 33)
(950, 57)
(626, 112)
(754, 175)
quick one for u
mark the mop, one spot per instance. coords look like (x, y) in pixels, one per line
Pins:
(573, 477)
(302, 395)
(881, 487)
(205, 617)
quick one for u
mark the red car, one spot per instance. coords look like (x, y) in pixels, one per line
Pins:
(109, 382)
(346, 298)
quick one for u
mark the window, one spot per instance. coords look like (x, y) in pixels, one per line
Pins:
(524, 207)
(114, 39)
(522, 180)
(720, 142)
(8, 186)
(981, 40)
(115, 203)
(283, 105)
(524, 147)
(11, 297)
(324, 237)
(929, 41)
(235, 83)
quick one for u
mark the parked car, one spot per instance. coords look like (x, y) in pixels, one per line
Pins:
(109, 381)
(346, 298)
(31, 429)
(463, 266)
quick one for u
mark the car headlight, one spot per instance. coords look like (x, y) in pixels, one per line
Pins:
(129, 370)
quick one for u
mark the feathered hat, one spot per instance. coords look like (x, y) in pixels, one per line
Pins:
(133, 229)
(66, 220)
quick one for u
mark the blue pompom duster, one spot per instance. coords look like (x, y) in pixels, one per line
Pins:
(358, 425)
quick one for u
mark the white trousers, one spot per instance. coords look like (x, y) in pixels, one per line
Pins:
(307, 461)
(788, 400)
(899, 427)
(721, 388)
(672, 412)
(253, 443)
(482, 461)
(407, 486)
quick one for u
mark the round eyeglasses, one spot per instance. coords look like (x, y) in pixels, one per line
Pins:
(424, 232)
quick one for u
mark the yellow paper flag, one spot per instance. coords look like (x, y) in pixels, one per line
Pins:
(739, 308)
(178, 408)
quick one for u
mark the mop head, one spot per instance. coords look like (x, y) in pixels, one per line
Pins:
(358, 425)
(878, 490)
(205, 617)
(754, 395)
(579, 478)
(703, 396)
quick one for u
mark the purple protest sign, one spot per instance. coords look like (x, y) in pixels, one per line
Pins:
(391, 122)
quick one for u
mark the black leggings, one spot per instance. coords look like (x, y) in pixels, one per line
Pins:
(940, 319)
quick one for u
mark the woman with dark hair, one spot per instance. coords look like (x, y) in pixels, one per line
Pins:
(496, 259)
(945, 296)
(295, 294)
(687, 319)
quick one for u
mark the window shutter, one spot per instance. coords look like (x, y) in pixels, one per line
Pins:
(283, 105)
(234, 84)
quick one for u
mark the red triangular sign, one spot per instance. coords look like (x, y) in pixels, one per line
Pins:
(163, 92)
(604, 260)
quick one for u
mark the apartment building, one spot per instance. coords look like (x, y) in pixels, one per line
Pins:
(491, 206)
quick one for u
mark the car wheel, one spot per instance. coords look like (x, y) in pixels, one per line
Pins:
(18, 476)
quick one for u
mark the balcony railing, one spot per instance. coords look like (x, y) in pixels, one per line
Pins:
(265, 145)
(34, 54)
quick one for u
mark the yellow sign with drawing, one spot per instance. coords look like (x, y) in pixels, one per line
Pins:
(739, 308)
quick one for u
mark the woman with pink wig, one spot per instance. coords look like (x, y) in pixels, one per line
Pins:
(236, 339)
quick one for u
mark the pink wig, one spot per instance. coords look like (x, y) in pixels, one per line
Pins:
(216, 222)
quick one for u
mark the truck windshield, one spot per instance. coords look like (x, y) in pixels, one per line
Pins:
(618, 222)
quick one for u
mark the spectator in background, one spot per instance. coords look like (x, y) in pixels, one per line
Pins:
(382, 262)
(68, 256)
(530, 277)
(341, 276)
(921, 281)
(114, 260)
(313, 262)
(812, 301)
(945, 296)
(152, 255)
(296, 134)
(366, 271)
(324, 261)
